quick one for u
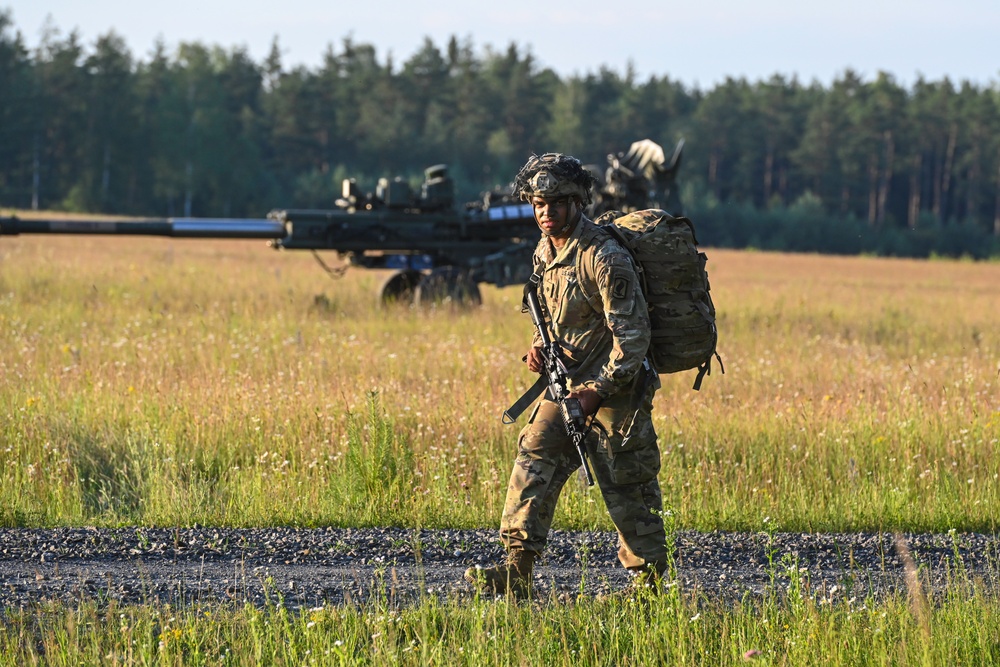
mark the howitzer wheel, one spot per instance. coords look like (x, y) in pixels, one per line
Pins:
(401, 287)
(448, 285)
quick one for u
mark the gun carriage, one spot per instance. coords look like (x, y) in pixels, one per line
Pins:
(438, 252)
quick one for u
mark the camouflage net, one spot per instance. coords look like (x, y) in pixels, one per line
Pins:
(566, 176)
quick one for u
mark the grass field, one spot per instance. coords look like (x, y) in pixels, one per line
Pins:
(801, 631)
(162, 382)
(158, 382)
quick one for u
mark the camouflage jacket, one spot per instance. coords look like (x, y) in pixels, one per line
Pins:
(591, 293)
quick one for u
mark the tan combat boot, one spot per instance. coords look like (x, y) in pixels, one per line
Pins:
(512, 577)
(646, 581)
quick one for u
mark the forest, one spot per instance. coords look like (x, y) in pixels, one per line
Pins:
(858, 166)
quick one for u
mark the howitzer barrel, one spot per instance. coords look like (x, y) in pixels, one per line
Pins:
(203, 228)
(225, 228)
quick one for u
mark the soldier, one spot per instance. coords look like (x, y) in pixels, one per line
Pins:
(597, 312)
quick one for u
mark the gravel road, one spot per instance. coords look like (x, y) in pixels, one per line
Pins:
(310, 567)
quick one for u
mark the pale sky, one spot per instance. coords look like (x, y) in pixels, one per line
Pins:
(697, 42)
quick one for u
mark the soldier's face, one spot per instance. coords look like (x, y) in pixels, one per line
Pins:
(555, 215)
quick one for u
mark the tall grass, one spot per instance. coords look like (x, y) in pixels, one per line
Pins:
(161, 382)
(803, 630)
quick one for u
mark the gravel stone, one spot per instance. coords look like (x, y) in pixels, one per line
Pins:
(304, 568)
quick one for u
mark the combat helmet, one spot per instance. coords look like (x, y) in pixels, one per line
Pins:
(553, 175)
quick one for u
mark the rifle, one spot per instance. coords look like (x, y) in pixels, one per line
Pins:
(554, 373)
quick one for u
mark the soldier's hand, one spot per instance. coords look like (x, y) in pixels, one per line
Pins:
(589, 399)
(534, 360)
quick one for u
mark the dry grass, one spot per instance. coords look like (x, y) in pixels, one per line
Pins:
(159, 381)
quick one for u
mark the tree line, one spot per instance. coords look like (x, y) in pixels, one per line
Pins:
(207, 131)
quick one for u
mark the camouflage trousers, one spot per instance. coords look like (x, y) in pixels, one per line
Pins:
(627, 476)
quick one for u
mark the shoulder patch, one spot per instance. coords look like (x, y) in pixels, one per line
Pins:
(620, 286)
(620, 290)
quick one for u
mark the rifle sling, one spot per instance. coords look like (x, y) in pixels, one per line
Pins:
(511, 414)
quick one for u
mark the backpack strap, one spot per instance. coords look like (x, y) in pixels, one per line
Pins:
(706, 369)
(593, 299)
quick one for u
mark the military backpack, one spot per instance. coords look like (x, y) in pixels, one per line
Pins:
(674, 282)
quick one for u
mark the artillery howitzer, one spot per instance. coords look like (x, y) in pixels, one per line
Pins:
(437, 251)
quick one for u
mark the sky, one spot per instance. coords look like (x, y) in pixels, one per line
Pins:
(697, 42)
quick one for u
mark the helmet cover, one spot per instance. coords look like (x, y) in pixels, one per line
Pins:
(553, 175)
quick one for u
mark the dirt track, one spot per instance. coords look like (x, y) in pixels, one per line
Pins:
(307, 568)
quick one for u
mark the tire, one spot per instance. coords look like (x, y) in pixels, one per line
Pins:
(448, 285)
(400, 288)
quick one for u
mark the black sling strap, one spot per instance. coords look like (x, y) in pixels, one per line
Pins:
(511, 414)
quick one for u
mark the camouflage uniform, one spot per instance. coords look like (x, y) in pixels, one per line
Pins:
(599, 317)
